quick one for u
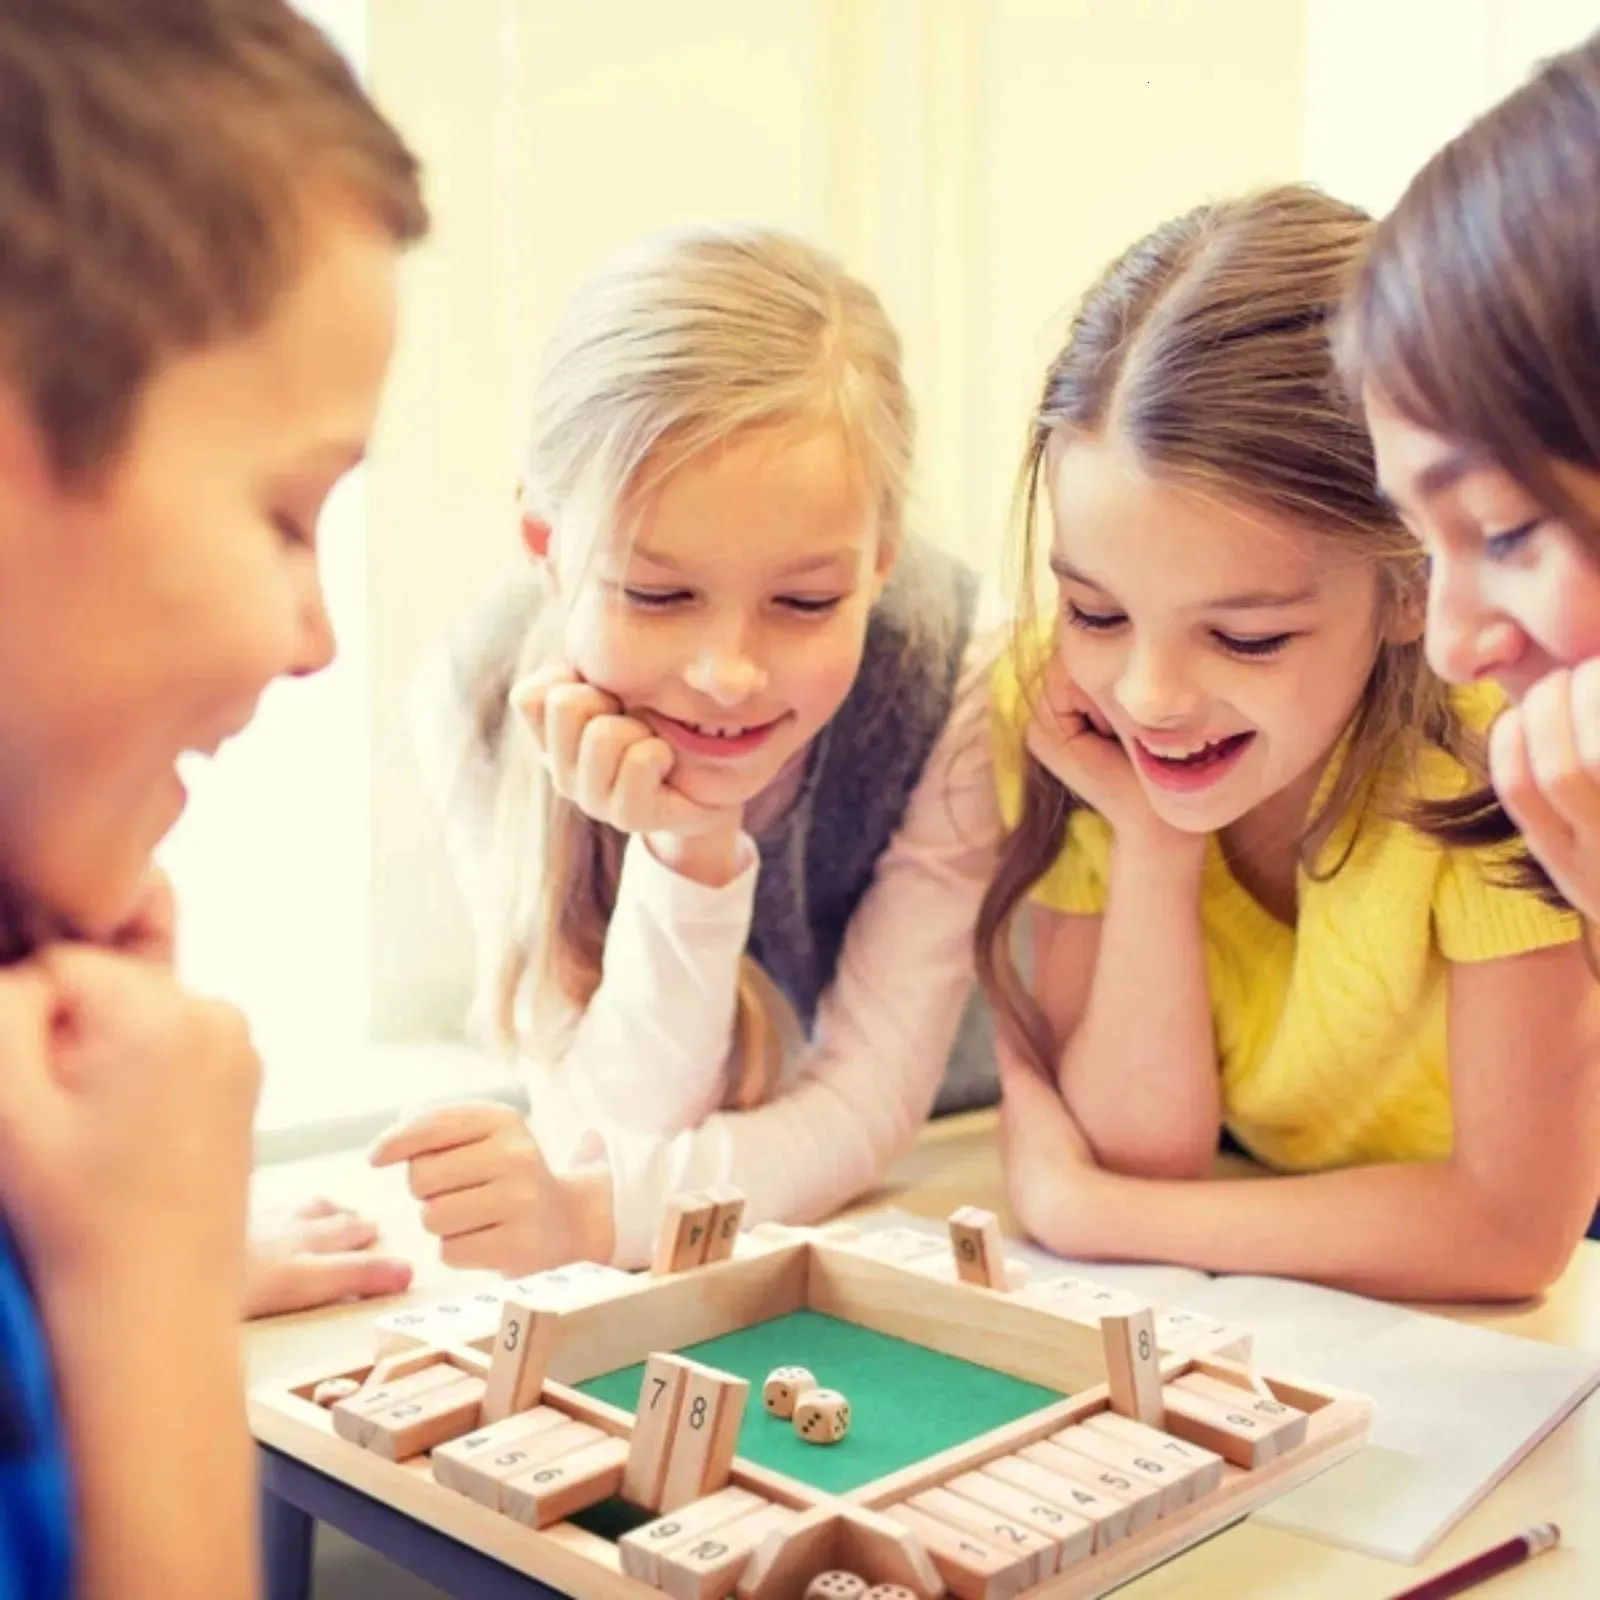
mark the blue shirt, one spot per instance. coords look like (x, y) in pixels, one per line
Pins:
(35, 1489)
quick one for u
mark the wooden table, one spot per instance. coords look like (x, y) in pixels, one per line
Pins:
(956, 1163)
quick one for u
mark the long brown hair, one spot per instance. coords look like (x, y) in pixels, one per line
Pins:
(1476, 312)
(673, 347)
(1204, 349)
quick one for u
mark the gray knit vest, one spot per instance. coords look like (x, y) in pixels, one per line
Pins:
(818, 859)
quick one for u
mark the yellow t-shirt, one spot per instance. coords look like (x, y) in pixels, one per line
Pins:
(1331, 1035)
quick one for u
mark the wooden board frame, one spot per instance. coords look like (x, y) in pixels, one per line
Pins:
(776, 1271)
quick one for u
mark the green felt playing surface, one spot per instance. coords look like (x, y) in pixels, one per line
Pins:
(906, 1402)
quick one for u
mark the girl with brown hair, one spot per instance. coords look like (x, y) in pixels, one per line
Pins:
(1222, 762)
(1473, 338)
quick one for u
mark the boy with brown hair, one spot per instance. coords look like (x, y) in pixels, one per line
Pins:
(200, 216)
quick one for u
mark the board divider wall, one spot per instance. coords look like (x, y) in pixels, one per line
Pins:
(684, 1309)
(958, 1319)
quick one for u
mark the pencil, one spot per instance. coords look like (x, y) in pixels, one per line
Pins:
(1480, 1568)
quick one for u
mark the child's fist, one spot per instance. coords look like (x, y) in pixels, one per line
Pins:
(125, 1119)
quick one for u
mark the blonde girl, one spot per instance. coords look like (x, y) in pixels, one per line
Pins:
(715, 773)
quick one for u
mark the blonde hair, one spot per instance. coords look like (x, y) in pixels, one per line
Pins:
(1205, 348)
(676, 345)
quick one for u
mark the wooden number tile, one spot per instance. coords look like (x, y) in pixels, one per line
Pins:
(1175, 1329)
(521, 1355)
(1244, 1440)
(403, 1330)
(1257, 1396)
(1202, 1468)
(993, 1527)
(1071, 1535)
(1046, 1294)
(972, 1568)
(1249, 1430)
(640, 1549)
(1109, 1518)
(726, 1220)
(1193, 1330)
(708, 1566)
(900, 1245)
(479, 1462)
(1131, 1461)
(976, 1247)
(655, 1420)
(495, 1476)
(391, 1369)
(1133, 1365)
(940, 1265)
(579, 1283)
(1143, 1500)
(561, 1485)
(415, 1425)
(1093, 1302)
(353, 1419)
(706, 1436)
(685, 1233)
(455, 1321)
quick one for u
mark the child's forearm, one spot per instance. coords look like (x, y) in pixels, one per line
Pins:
(1140, 1070)
(1406, 1232)
(152, 1396)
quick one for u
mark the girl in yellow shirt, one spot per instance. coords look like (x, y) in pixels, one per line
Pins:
(1242, 806)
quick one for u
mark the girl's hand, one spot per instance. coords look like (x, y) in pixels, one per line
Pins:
(1077, 746)
(314, 1254)
(125, 1129)
(617, 770)
(1544, 761)
(1056, 1189)
(488, 1194)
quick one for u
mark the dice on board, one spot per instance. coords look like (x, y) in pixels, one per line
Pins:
(783, 1388)
(888, 1591)
(822, 1416)
(836, 1585)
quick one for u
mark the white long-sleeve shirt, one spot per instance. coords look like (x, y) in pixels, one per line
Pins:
(645, 1068)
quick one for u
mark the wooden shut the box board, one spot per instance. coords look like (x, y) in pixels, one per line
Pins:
(605, 1432)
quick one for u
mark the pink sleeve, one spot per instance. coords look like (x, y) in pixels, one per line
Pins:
(884, 1027)
(650, 1052)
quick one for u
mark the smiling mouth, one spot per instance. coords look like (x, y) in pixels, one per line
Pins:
(1195, 758)
(1191, 768)
(718, 740)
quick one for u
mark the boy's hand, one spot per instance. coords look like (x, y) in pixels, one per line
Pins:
(488, 1194)
(125, 1126)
